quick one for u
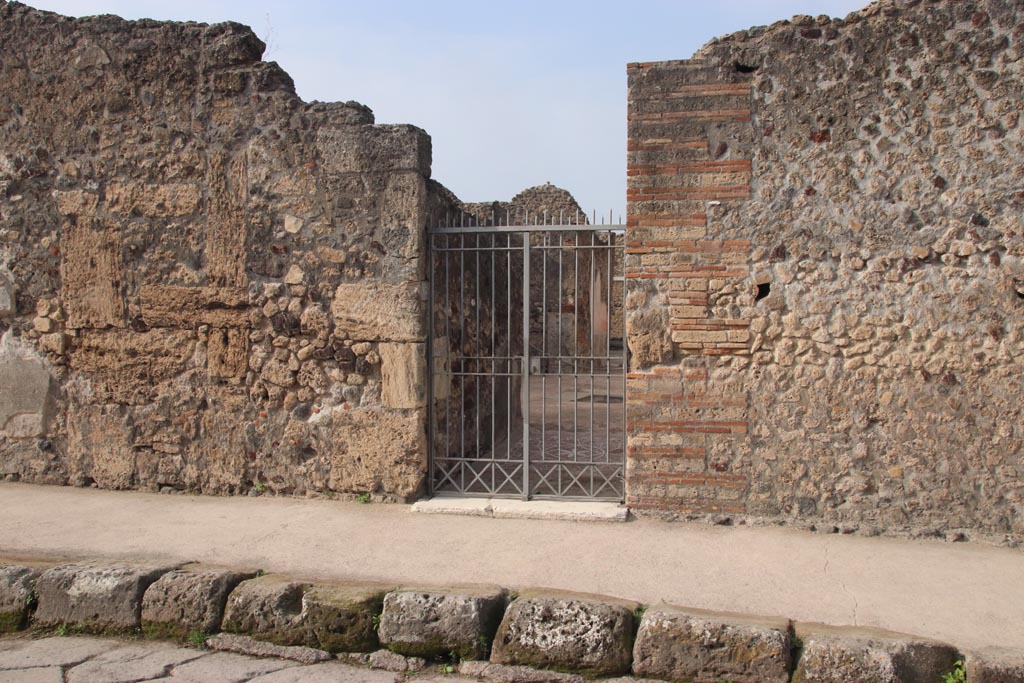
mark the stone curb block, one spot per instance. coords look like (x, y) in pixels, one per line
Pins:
(995, 665)
(188, 599)
(94, 597)
(244, 645)
(332, 617)
(584, 633)
(540, 631)
(503, 673)
(833, 654)
(385, 660)
(684, 645)
(17, 595)
(435, 623)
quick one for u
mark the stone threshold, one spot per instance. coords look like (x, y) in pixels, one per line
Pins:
(510, 508)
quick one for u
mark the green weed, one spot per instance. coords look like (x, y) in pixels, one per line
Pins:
(957, 675)
(197, 639)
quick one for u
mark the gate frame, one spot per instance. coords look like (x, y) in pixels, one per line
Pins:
(617, 229)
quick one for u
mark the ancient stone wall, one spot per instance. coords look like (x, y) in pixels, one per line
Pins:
(205, 283)
(825, 275)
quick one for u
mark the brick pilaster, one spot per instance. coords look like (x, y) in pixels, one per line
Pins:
(685, 131)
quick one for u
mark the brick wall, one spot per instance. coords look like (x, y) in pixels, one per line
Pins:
(826, 274)
(687, 127)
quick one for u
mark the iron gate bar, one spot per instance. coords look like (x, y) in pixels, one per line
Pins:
(555, 473)
(526, 367)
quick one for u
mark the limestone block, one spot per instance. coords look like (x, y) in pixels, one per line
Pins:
(7, 298)
(332, 617)
(171, 199)
(94, 597)
(128, 368)
(26, 401)
(17, 589)
(995, 665)
(349, 149)
(435, 623)
(227, 352)
(383, 450)
(166, 306)
(188, 599)
(76, 202)
(403, 203)
(589, 634)
(90, 271)
(379, 311)
(227, 230)
(855, 655)
(403, 375)
(100, 446)
(648, 338)
(683, 645)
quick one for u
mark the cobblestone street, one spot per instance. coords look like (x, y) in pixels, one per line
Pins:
(108, 660)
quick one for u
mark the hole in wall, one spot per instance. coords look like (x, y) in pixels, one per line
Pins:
(763, 290)
(745, 68)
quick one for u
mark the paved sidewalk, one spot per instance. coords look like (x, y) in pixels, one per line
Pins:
(107, 660)
(970, 595)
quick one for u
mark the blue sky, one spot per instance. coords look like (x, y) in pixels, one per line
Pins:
(513, 94)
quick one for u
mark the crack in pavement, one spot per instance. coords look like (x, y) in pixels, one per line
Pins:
(165, 674)
(65, 669)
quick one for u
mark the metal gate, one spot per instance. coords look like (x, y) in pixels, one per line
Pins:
(527, 360)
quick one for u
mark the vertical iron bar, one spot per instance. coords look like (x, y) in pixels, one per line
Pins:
(494, 353)
(508, 348)
(543, 346)
(462, 356)
(448, 349)
(621, 251)
(526, 366)
(558, 351)
(479, 344)
(590, 298)
(610, 260)
(430, 366)
(576, 348)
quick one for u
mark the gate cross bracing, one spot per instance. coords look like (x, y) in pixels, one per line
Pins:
(527, 358)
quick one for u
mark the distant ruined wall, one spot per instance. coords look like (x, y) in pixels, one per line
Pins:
(206, 284)
(825, 274)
